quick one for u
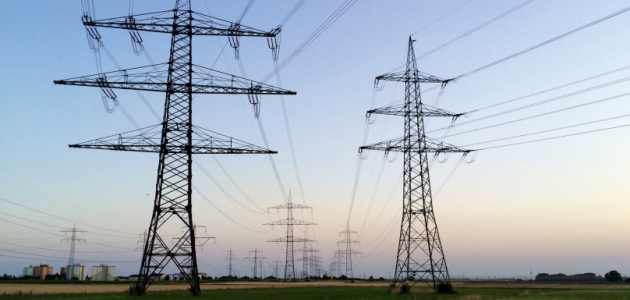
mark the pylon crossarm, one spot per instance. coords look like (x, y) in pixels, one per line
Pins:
(291, 239)
(405, 76)
(290, 206)
(162, 21)
(398, 145)
(148, 139)
(401, 110)
(290, 222)
(155, 78)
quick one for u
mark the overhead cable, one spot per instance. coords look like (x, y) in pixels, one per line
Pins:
(440, 18)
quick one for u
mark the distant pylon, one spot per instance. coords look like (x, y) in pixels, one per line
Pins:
(73, 240)
(230, 258)
(289, 267)
(257, 260)
(420, 254)
(142, 241)
(347, 253)
(275, 266)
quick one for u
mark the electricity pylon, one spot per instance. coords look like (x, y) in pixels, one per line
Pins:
(289, 266)
(348, 252)
(275, 265)
(230, 258)
(308, 259)
(257, 260)
(176, 139)
(420, 254)
(73, 240)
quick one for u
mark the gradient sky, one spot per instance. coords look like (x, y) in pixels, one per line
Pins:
(554, 206)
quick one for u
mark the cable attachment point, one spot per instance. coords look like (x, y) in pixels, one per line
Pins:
(105, 88)
(233, 38)
(472, 158)
(253, 96)
(446, 156)
(362, 155)
(273, 42)
(93, 36)
(379, 85)
(136, 38)
(393, 159)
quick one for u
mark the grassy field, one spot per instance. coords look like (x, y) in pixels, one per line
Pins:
(355, 292)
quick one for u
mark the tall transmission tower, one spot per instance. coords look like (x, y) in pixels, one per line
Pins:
(275, 266)
(289, 266)
(73, 240)
(176, 139)
(347, 253)
(420, 254)
(257, 260)
(230, 258)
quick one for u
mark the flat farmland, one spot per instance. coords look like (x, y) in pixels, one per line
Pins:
(322, 290)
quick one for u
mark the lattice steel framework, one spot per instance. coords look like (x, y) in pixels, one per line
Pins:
(289, 266)
(347, 253)
(420, 254)
(176, 139)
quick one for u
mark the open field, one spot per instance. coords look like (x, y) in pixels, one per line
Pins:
(323, 290)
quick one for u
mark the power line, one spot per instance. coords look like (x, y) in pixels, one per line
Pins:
(589, 89)
(553, 88)
(440, 18)
(340, 11)
(551, 130)
(51, 215)
(473, 30)
(57, 201)
(621, 11)
(540, 115)
(557, 137)
(292, 12)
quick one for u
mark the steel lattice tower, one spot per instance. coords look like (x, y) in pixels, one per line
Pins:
(348, 252)
(230, 258)
(257, 260)
(176, 139)
(420, 254)
(289, 266)
(73, 239)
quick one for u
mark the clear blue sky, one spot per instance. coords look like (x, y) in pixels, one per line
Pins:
(555, 206)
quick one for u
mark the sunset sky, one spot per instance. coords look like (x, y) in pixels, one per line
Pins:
(556, 206)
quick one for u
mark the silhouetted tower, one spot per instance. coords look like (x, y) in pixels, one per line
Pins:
(420, 255)
(257, 260)
(276, 265)
(176, 139)
(73, 240)
(308, 259)
(142, 241)
(347, 253)
(230, 258)
(289, 266)
(200, 241)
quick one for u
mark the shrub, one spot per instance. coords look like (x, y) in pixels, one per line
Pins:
(445, 288)
(405, 288)
(613, 276)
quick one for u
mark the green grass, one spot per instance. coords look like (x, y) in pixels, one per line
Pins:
(363, 293)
